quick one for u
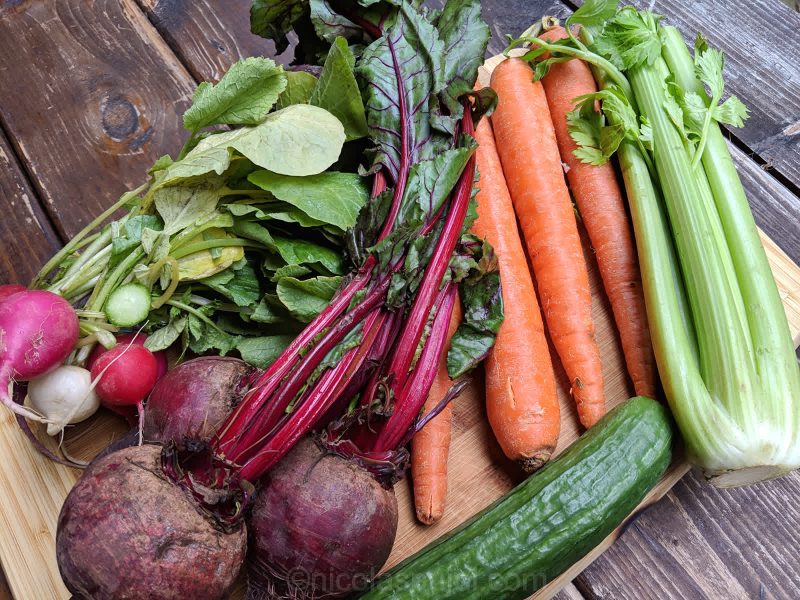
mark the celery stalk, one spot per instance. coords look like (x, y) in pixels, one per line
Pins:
(775, 419)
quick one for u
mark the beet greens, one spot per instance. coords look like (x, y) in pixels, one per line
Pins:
(383, 332)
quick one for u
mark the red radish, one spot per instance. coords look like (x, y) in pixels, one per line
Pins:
(333, 536)
(38, 330)
(125, 375)
(192, 400)
(126, 531)
(10, 289)
(123, 339)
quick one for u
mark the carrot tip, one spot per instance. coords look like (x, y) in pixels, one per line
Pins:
(535, 462)
(428, 517)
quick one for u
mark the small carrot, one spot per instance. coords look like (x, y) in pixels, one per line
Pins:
(521, 398)
(529, 154)
(430, 446)
(602, 210)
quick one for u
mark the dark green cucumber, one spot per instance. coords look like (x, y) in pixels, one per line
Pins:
(548, 522)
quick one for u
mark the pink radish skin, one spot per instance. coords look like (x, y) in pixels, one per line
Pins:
(38, 330)
(127, 531)
(123, 339)
(192, 400)
(321, 527)
(125, 375)
(10, 289)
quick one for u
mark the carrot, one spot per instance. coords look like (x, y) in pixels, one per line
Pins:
(602, 210)
(521, 398)
(528, 151)
(430, 446)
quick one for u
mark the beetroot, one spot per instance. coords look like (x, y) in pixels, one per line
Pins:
(38, 330)
(126, 531)
(322, 526)
(192, 400)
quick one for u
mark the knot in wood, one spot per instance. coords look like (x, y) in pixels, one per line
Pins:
(120, 117)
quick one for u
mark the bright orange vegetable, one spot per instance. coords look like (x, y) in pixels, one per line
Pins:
(528, 150)
(521, 398)
(602, 210)
(430, 446)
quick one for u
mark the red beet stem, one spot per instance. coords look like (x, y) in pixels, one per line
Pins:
(414, 326)
(266, 385)
(265, 422)
(299, 422)
(413, 394)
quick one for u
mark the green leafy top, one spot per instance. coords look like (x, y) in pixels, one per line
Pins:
(630, 39)
(244, 95)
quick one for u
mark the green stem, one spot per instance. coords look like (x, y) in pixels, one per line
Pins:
(193, 311)
(588, 56)
(189, 143)
(773, 348)
(726, 363)
(89, 270)
(76, 241)
(215, 243)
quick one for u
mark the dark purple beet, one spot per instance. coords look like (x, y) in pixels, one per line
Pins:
(322, 526)
(192, 400)
(127, 532)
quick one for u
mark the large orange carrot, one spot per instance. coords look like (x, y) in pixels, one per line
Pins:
(430, 446)
(521, 399)
(602, 210)
(528, 150)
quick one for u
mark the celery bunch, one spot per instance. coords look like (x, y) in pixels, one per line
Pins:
(720, 335)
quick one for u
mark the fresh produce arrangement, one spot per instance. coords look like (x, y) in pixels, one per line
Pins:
(286, 310)
(720, 335)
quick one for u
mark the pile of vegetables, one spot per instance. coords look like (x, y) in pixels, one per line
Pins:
(250, 230)
(238, 242)
(720, 334)
(324, 224)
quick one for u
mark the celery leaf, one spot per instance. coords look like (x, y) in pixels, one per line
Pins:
(731, 112)
(593, 13)
(708, 68)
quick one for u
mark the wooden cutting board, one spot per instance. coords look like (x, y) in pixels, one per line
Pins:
(32, 488)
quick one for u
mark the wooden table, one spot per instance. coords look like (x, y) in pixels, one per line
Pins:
(90, 95)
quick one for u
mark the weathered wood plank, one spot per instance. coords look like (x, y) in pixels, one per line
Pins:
(568, 592)
(102, 97)
(209, 35)
(775, 208)
(751, 535)
(26, 236)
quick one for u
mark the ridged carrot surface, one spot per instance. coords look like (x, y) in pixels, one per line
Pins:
(602, 209)
(528, 150)
(430, 446)
(521, 399)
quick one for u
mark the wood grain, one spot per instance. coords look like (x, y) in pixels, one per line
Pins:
(102, 99)
(27, 236)
(209, 35)
(749, 531)
(761, 46)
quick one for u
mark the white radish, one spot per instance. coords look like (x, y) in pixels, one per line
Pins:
(64, 397)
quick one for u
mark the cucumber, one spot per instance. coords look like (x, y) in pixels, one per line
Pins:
(548, 522)
(128, 305)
